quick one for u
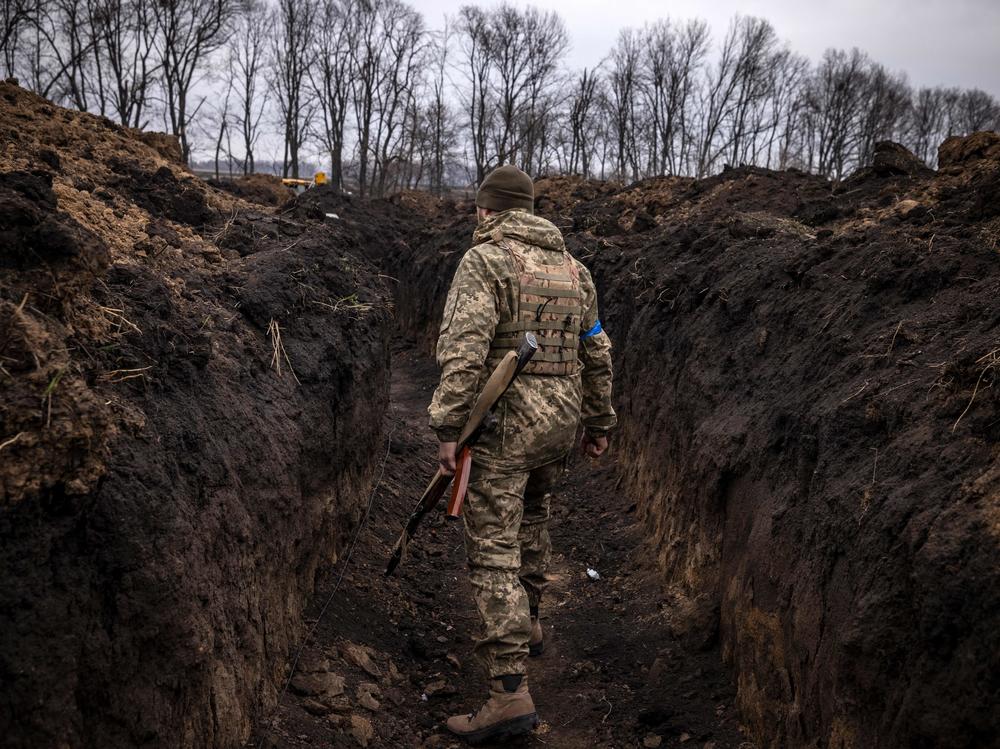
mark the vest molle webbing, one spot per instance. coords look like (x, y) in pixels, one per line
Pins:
(550, 305)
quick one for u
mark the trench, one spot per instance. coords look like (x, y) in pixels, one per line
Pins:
(755, 559)
(399, 650)
(807, 386)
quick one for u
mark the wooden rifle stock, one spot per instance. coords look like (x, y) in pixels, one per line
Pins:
(460, 484)
(480, 418)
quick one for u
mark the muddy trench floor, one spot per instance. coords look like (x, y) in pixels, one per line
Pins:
(391, 658)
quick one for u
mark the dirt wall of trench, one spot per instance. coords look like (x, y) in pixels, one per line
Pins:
(191, 396)
(807, 381)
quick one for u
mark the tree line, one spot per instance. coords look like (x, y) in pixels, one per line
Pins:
(383, 102)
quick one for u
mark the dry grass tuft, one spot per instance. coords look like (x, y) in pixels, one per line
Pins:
(118, 316)
(349, 303)
(120, 375)
(278, 350)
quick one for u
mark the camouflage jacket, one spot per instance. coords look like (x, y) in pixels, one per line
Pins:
(539, 415)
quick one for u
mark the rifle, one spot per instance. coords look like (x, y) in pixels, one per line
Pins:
(481, 419)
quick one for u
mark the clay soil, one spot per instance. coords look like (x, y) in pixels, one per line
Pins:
(391, 658)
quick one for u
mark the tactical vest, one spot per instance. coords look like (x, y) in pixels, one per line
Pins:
(549, 303)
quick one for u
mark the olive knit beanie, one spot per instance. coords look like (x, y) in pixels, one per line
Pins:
(506, 187)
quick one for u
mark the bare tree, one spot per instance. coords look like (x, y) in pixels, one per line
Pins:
(441, 131)
(224, 135)
(59, 51)
(836, 96)
(547, 42)
(403, 30)
(15, 16)
(188, 32)
(77, 39)
(790, 72)
(977, 110)
(755, 64)
(925, 123)
(509, 56)
(125, 46)
(883, 111)
(292, 54)
(364, 82)
(624, 84)
(388, 38)
(247, 52)
(330, 77)
(477, 41)
(732, 104)
(582, 111)
(366, 63)
(673, 58)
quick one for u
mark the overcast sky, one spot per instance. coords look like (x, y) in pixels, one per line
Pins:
(947, 42)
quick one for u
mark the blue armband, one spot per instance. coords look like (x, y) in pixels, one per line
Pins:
(593, 331)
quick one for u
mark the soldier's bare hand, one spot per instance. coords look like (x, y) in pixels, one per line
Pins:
(446, 457)
(593, 446)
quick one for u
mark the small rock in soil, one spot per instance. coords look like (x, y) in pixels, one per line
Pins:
(360, 656)
(361, 729)
(652, 741)
(439, 688)
(312, 663)
(315, 707)
(437, 741)
(394, 675)
(339, 704)
(367, 694)
(368, 702)
(325, 684)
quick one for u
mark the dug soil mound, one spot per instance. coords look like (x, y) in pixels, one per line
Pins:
(807, 379)
(191, 390)
(265, 189)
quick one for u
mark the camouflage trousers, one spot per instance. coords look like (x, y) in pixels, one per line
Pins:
(508, 549)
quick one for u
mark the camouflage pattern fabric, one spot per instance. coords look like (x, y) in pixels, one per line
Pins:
(507, 544)
(538, 417)
(550, 305)
(515, 465)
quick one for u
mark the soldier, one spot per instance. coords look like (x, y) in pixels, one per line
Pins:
(518, 277)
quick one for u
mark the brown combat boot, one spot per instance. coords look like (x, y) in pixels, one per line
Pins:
(536, 643)
(508, 712)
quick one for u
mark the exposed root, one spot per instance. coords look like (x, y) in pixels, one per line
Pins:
(992, 359)
(12, 440)
(279, 353)
(119, 316)
(224, 230)
(855, 394)
(893, 341)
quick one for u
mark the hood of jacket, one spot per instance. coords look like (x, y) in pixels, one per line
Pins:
(521, 226)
